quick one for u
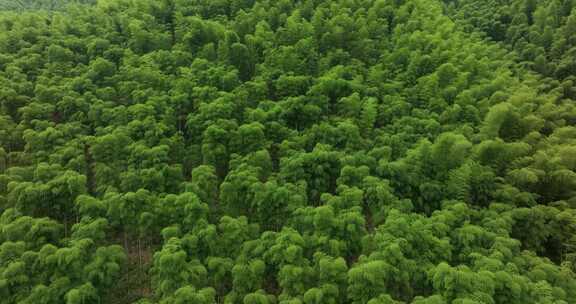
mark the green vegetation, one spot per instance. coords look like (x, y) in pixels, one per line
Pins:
(21, 5)
(288, 152)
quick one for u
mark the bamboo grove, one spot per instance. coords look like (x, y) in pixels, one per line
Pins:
(288, 151)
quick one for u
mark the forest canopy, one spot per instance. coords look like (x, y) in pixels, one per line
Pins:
(288, 151)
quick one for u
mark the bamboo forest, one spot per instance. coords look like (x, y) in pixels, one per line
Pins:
(288, 151)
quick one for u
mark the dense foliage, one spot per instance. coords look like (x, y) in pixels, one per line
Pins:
(541, 32)
(288, 151)
(20, 5)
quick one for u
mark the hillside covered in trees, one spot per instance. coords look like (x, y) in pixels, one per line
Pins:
(288, 151)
